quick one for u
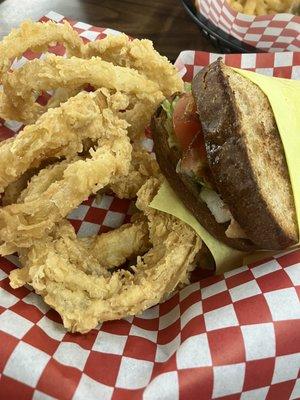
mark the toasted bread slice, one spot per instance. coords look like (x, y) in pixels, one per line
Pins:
(246, 155)
(185, 187)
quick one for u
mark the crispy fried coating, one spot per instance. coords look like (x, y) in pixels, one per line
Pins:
(139, 117)
(113, 248)
(61, 95)
(58, 72)
(139, 55)
(74, 146)
(37, 215)
(58, 133)
(110, 249)
(93, 255)
(41, 181)
(27, 114)
(131, 66)
(37, 36)
(13, 190)
(83, 299)
(143, 166)
(34, 180)
(135, 110)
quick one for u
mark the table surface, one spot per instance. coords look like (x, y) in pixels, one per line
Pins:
(163, 21)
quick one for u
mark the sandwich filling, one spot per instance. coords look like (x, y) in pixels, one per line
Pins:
(185, 133)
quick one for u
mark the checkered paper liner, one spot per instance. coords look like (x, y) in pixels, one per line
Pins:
(234, 336)
(274, 33)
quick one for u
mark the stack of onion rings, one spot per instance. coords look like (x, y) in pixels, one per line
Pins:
(84, 298)
(78, 144)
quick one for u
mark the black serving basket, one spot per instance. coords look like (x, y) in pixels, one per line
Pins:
(222, 40)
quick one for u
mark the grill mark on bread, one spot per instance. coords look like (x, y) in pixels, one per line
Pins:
(246, 155)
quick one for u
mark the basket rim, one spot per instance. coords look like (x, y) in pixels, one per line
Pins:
(224, 38)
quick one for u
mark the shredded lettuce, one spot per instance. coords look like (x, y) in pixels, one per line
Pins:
(187, 86)
(169, 107)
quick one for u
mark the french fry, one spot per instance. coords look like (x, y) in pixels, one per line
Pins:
(250, 7)
(263, 7)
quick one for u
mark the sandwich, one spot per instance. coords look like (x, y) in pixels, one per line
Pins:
(219, 147)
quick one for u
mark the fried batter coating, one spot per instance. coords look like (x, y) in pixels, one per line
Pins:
(83, 299)
(13, 191)
(28, 114)
(61, 95)
(93, 255)
(113, 248)
(37, 36)
(21, 224)
(41, 181)
(35, 180)
(58, 133)
(110, 249)
(135, 110)
(82, 143)
(143, 166)
(59, 72)
(139, 117)
(139, 55)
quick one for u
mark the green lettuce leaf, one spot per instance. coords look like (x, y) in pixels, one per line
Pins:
(169, 107)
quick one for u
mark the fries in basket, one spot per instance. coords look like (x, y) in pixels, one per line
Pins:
(263, 7)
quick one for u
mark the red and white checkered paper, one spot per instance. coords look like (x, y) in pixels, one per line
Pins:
(274, 33)
(225, 337)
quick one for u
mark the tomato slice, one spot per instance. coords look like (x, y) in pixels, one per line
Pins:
(188, 130)
(187, 126)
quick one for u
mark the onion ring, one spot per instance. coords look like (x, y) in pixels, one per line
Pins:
(54, 72)
(40, 182)
(16, 191)
(79, 144)
(134, 110)
(113, 248)
(92, 255)
(58, 133)
(27, 114)
(37, 216)
(139, 117)
(109, 249)
(142, 167)
(83, 299)
(139, 55)
(37, 36)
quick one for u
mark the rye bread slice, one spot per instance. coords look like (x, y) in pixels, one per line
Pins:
(185, 187)
(246, 155)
